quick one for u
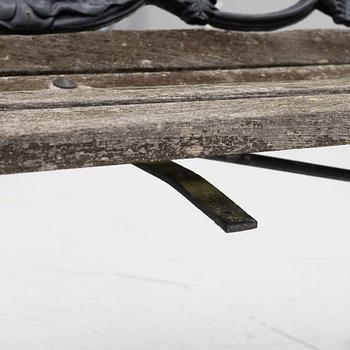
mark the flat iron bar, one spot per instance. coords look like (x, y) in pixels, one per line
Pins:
(285, 165)
(207, 198)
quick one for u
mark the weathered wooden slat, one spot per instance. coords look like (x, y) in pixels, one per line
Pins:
(167, 78)
(90, 97)
(138, 125)
(122, 51)
(283, 90)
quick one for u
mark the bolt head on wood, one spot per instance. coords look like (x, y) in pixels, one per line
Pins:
(65, 83)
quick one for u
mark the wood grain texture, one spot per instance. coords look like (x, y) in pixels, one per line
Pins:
(82, 128)
(92, 97)
(155, 96)
(172, 78)
(142, 51)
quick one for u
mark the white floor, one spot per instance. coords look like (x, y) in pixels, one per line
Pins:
(112, 258)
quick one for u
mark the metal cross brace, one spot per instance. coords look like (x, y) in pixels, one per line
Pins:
(285, 165)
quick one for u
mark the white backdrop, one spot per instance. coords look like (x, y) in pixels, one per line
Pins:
(153, 18)
(111, 258)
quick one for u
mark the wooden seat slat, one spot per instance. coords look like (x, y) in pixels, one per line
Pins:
(152, 96)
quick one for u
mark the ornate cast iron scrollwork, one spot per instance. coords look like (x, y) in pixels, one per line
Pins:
(55, 16)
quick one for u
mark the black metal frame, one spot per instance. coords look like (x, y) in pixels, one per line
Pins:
(57, 16)
(286, 165)
(206, 197)
(218, 207)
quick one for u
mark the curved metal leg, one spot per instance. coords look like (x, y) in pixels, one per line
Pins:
(207, 198)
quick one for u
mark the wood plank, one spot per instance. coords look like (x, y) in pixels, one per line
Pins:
(93, 97)
(146, 79)
(296, 94)
(155, 124)
(138, 51)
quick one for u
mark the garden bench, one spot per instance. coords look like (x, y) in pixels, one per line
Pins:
(148, 97)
